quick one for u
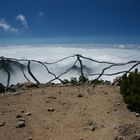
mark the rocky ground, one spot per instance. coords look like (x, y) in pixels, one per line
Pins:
(67, 113)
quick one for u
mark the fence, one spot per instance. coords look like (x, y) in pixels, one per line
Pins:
(5, 66)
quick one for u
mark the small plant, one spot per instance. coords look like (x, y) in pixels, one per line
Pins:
(66, 81)
(73, 81)
(82, 79)
(130, 90)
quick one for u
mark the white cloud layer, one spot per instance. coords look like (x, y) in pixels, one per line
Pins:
(22, 19)
(6, 26)
(51, 53)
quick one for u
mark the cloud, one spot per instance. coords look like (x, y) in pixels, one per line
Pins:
(40, 14)
(22, 19)
(6, 26)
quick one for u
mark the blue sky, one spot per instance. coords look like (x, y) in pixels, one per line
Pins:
(109, 21)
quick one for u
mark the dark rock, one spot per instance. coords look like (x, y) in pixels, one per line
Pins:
(50, 109)
(2, 123)
(22, 111)
(115, 127)
(105, 92)
(93, 128)
(52, 97)
(79, 95)
(18, 116)
(137, 115)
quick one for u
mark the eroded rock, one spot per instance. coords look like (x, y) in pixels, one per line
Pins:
(51, 109)
(18, 116)
(2, 123)
(79, 95)
(20, 124)
(28, 114)
(137, 115)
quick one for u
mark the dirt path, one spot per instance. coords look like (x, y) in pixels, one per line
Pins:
(95, 116)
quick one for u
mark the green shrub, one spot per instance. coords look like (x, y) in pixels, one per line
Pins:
(96, 82)
(82, 79)
(73, 81)
(66, 81)
(130, 90)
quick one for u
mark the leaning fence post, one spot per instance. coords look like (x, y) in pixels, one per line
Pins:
(81, 67)
(7, 71)
(31, 74)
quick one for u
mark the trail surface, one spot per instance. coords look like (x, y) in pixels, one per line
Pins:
(60, 113)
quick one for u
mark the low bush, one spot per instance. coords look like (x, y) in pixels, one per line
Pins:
(66, 81)
(130, 90)
(73, 81)
(83, 79)
(96, 82)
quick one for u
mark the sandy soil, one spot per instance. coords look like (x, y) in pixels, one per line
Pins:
(99, 115)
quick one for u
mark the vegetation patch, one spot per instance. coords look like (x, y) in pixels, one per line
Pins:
(130, 90)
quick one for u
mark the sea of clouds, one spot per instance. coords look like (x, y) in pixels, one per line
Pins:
(53, 52)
